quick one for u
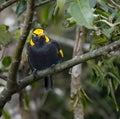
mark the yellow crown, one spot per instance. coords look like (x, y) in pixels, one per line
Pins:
(39, 32)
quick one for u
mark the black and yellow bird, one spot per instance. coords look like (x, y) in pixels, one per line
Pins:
(42, 53)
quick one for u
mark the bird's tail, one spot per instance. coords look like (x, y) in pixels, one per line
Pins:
(48, 82)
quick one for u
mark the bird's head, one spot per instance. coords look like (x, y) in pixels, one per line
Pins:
(38, 36)
(38, 32)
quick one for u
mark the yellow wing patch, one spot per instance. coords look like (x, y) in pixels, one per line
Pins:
(61, 52)
(32, 43)
(47, 39)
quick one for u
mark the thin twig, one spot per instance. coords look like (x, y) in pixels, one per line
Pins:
(18, 51)
(76, 74)
(3, 77)
(114, 4)
(6, 94)
(11, 82)
(70, 63)
(44, 3)
(10, 2)
(6, 4)
(3, 51)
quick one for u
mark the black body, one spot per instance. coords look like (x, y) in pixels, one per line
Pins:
(43, 55)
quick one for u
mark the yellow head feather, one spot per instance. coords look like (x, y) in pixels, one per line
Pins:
(39, 32)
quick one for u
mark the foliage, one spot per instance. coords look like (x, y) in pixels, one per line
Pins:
(81, 13)
(105, 29)
(6, 61)
(6, 115)
(5, 36)
(21, 7)
(101, 19)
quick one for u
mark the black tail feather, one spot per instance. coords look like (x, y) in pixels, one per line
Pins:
(48, 82)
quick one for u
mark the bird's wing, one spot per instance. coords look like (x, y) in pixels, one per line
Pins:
(60, 52)
(27, 55)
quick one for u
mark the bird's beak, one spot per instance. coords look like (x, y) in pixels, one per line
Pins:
(41, 34)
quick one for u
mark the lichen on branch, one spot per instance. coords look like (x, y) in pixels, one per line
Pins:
(72, 62)
(11, 86)
(6, 4)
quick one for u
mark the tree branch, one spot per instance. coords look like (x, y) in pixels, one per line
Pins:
(6, 93)
(3, 77)
(18, 51)
(12, 83)
(70, 63)
(10, 2)
(76, 75)
(44, 3)
(6, 4)
(114, 4)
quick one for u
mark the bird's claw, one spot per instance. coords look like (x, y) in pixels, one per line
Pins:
(52, 66)
(35, 74)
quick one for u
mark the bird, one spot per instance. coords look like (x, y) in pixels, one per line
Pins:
(42, 53)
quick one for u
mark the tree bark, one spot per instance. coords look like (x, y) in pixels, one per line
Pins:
(6, 94)
(77, 74)
(12, 85)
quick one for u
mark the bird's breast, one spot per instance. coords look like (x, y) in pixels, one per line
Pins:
(43, 57)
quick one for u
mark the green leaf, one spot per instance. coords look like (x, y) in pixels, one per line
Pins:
(92, 3)
(106, 32)
(100, 41)
(6, 115)
(81, 12)
(16, 35)
(101, 13)
(29, 36)
(67, 1)
(45, 14)
(55, 13)
(103, 5)
(6, 61)
(2, 85)
(114, 76)
(5, 36)
(112, 94)
(21, 7)
(69, 23)
(83, 93)
(117, 21)
(84, 97)
(27, 100)
(84, 102)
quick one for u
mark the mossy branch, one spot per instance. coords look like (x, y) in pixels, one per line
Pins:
(6, 93)
(11, 82)
(19, 48)
(44, 3)
(6, 4)
(114, 4)
(12, 86)
(70, 63)
(10, 2)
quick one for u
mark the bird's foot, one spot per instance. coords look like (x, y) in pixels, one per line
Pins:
(52, 66)
(35, 74)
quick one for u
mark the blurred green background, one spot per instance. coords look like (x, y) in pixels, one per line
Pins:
(100, 76)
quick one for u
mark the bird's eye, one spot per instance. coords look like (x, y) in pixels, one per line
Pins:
(34, 35)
